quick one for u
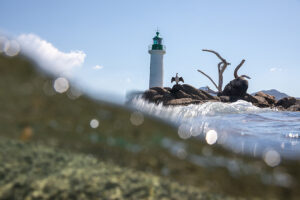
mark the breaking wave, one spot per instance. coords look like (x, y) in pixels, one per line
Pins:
(175, 113)
(239, 126)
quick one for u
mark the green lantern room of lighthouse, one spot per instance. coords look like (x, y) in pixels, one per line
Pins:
(157, 42)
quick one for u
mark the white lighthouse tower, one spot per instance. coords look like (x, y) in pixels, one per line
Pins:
(157, 51)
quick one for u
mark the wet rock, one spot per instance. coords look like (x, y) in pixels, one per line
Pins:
(224, 98)
(149, 94)
(237, 87)
(229, 99)
(250, 98)
(286, 102)
(196, 92)
(176, 88)
(236, 90)
(160, 90)
(181, 94)
(216, 98)
(168, 88)
(261, 102)
(182, 102)
(157, 99)
(167, 97)
(269, 98)
(294, 108)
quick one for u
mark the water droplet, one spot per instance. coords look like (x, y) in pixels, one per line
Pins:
(11, 48)
(137, 118)
(61, 85)
(184, 131)
(181, 153)
(211, 137)
(272, 158)
(74, 93)
(94, 123)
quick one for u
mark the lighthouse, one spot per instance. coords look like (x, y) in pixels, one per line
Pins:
(157, 51)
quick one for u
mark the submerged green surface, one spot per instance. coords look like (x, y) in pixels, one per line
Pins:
(32, 112)
(31, 171)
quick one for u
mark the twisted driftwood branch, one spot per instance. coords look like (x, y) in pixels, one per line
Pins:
(237, 69)
(221, 68)
(217, 54)
(208, 78)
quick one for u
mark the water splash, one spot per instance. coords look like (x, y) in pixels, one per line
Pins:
(239, 126)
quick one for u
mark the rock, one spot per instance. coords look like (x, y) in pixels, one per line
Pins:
(181, 94)
(294, 108)
(160, 90)
(182, 102)
(237, 87)
(176, 88)
(250, 98)
(157, 99)
(197, 97)
(149, 94)
(186, 94)
(261, 102)
(286, 102)
(167, 88)
(167, 97)
(216, 98)
(224, 98)
(269, 98)
(191, 90)
(229, 99)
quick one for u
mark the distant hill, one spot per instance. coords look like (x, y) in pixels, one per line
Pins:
(278, 95)
(207, 90)
(203, 88)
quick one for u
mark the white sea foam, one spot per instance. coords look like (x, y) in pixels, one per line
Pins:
(183, 113)
(239, 126)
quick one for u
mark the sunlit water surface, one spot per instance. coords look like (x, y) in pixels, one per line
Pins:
(239, 126)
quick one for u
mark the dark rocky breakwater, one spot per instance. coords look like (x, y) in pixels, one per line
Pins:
(180, 95)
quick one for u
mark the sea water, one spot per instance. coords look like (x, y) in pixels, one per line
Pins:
(239, 126)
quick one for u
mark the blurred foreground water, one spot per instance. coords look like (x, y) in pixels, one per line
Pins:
(59, 144)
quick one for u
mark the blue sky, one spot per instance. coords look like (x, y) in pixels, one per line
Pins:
(116, 34)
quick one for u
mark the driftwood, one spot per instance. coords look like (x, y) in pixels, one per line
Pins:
(221, 68)
(237, 69)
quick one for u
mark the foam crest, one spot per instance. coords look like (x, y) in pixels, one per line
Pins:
(180, 113)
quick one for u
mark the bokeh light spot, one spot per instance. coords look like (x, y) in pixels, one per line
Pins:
(137, 118)
(73, 93)
(26, 133)
(11, 48)
(184, 131)
(94, 123)
(61, 85)
(272, 158)
(211, 137)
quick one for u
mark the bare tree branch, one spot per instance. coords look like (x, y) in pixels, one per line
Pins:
(209, 78)
(217, 54)
(219, 67)
(237, 69)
